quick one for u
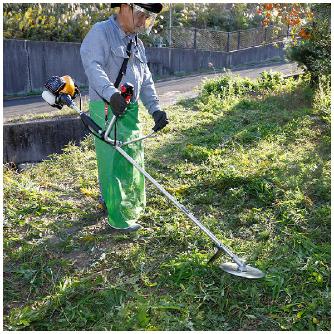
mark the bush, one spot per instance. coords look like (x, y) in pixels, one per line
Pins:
(314, 52)
(269, 80)
(229, 87)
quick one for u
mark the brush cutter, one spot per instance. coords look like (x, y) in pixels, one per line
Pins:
(58, 95)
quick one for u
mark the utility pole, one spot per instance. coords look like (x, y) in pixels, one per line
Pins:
(170, 25)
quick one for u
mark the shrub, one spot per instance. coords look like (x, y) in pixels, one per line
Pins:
(314, 52)
(227, 86)
(269, 80)
(309, 27)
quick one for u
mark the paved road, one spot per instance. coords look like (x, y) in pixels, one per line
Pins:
(169, 91)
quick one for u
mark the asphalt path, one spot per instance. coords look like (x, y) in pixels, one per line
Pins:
(169, 91)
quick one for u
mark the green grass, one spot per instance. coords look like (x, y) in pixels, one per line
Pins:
(255, 169)
(65, 112)
(56, 113)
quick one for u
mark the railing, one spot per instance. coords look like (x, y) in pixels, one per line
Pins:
(213, 40)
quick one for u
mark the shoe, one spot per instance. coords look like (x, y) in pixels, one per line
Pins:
(134, 227)
(102, 204)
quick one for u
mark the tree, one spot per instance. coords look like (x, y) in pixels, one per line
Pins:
(310, 41)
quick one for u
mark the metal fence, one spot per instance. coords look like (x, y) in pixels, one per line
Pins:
(213, 40)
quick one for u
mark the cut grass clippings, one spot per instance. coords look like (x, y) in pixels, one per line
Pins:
(255, 168)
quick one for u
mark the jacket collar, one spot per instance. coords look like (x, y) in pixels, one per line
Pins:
(121, 33)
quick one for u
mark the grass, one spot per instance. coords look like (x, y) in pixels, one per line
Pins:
(254, 168)
(65, 112)
(56, 113)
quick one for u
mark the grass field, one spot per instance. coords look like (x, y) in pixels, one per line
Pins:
(252, 164)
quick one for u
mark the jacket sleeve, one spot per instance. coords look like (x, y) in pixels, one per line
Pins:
(94, 52)
(148, 94)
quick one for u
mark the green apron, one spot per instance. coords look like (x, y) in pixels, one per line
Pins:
(122, 185)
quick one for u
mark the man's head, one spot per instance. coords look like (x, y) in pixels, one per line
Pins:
(139, 17)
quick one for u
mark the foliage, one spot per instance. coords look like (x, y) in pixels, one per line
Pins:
(294, 15)
(55, 22)
(228, 86)
(270, 80)
(70, 22)
(62, 22)
(310, 42)
(255, 168)
(314, 52)
(322, 100)
(226, 17)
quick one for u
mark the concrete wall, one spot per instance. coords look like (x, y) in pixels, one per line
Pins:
(28, 64)
(256, 54)
(50, 58)
(15, 67)
(184, 60)
(35, 141)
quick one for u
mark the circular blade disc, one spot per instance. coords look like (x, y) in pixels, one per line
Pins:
(247, 271)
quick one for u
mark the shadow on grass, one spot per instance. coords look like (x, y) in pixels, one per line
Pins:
(169, 262)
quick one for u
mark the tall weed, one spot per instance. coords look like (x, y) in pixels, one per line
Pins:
(227, 88)
(322, 99)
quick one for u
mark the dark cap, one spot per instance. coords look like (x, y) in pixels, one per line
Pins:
(151, 7)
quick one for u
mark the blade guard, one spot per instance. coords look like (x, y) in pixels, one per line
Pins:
(246, 271)
(215, 256)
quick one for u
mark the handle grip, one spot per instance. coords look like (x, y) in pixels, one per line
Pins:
(127, 91)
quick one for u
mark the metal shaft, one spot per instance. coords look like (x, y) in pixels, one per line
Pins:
(136, 140)
(181, 207)
(111, 124)
(118, 148)
(75, 107)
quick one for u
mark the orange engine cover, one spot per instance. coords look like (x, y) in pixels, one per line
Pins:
(69, 87)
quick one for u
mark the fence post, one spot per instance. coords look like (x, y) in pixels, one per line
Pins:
(228, 43)
(170, 25)
(239, 38)
(265, 34)
(195, 38)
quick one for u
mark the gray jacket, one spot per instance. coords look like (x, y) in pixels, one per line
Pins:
(103, 51)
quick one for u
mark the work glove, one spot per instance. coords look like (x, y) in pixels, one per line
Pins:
(118, 104)
(160, 119)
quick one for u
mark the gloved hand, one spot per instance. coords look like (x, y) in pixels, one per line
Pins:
(118, 104)
(160, 119)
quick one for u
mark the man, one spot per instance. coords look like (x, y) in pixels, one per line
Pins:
(104, 53)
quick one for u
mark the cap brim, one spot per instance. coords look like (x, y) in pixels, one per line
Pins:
(114, 5)
(151, 7)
